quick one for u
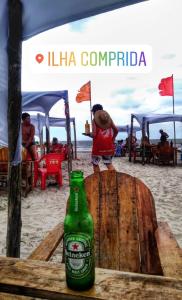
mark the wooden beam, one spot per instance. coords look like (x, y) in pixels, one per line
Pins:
(7, 296)
(169, 251)
(148, 132)
(143, 134)
(14, 123)
(67, 114)
(75, 141)
(147, 225)
(47, 247)
(47, 133)
(47, 280)
(130, 139)
(109, 246)
(128, 224)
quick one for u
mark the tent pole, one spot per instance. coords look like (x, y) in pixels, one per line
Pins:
(38, 118)
(14, 124)
(90, 103)
(74, 128)
(143, 134)
(174, 133)
(130, 137)
(47, 133)
(67, 113)
(148, 133)
(42, 142)
(173, 114)
(40, 135)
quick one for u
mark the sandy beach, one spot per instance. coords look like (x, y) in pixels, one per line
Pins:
(42, 210)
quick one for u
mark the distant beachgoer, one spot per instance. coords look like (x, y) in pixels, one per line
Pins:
(119, 148)
(164, 136)
(146, 147)
(145, 142)
(133, 143)
(55, 147)
(28, 132)
(103, 132)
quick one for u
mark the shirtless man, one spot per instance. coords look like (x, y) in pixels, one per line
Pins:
(28, 132)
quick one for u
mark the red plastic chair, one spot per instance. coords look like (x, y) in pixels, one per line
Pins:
(52, 166)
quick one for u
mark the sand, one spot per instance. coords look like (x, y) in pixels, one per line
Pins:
(42, 210)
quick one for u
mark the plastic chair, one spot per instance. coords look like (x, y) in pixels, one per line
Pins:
(52, 167)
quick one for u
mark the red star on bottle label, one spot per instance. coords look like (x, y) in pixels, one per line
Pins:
(75, 246)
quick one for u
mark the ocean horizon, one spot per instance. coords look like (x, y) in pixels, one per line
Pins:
(86, 145)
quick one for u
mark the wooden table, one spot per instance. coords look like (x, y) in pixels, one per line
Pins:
(47, 280)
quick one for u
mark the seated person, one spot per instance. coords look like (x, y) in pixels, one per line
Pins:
(65, 150)
(28, 132)
(133, 142)
(55, 146)
(163, 138)
(146, 146)
(145, 142)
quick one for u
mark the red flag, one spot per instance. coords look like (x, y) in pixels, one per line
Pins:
(166, 87)
(84, 93)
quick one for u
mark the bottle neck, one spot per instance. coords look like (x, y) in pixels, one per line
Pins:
(77, 200)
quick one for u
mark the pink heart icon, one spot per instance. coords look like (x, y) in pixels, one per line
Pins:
(39, 58)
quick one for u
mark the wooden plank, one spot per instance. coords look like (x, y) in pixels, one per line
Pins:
(108, 221)
(92, 184)
(128, 226)
(47, 247)
(169, 251)
(68, 132)
(6, 296)
(14, 125)
(147, 224)
(47, 280)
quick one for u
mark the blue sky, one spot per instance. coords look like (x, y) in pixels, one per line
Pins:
(155, 23)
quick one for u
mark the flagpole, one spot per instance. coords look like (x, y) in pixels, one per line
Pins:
(173, 113)
(90, 104)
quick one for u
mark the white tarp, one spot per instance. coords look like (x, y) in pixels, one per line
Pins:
(39, 121)
(156, 118)
(42, 101)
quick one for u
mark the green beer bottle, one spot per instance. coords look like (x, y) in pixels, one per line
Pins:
(78, 237)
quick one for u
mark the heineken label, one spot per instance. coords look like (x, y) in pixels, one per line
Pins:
(78, 254)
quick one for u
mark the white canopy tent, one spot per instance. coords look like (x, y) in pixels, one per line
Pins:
(146, 119)
(39, 121)
(43, 101)
(156, 118)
